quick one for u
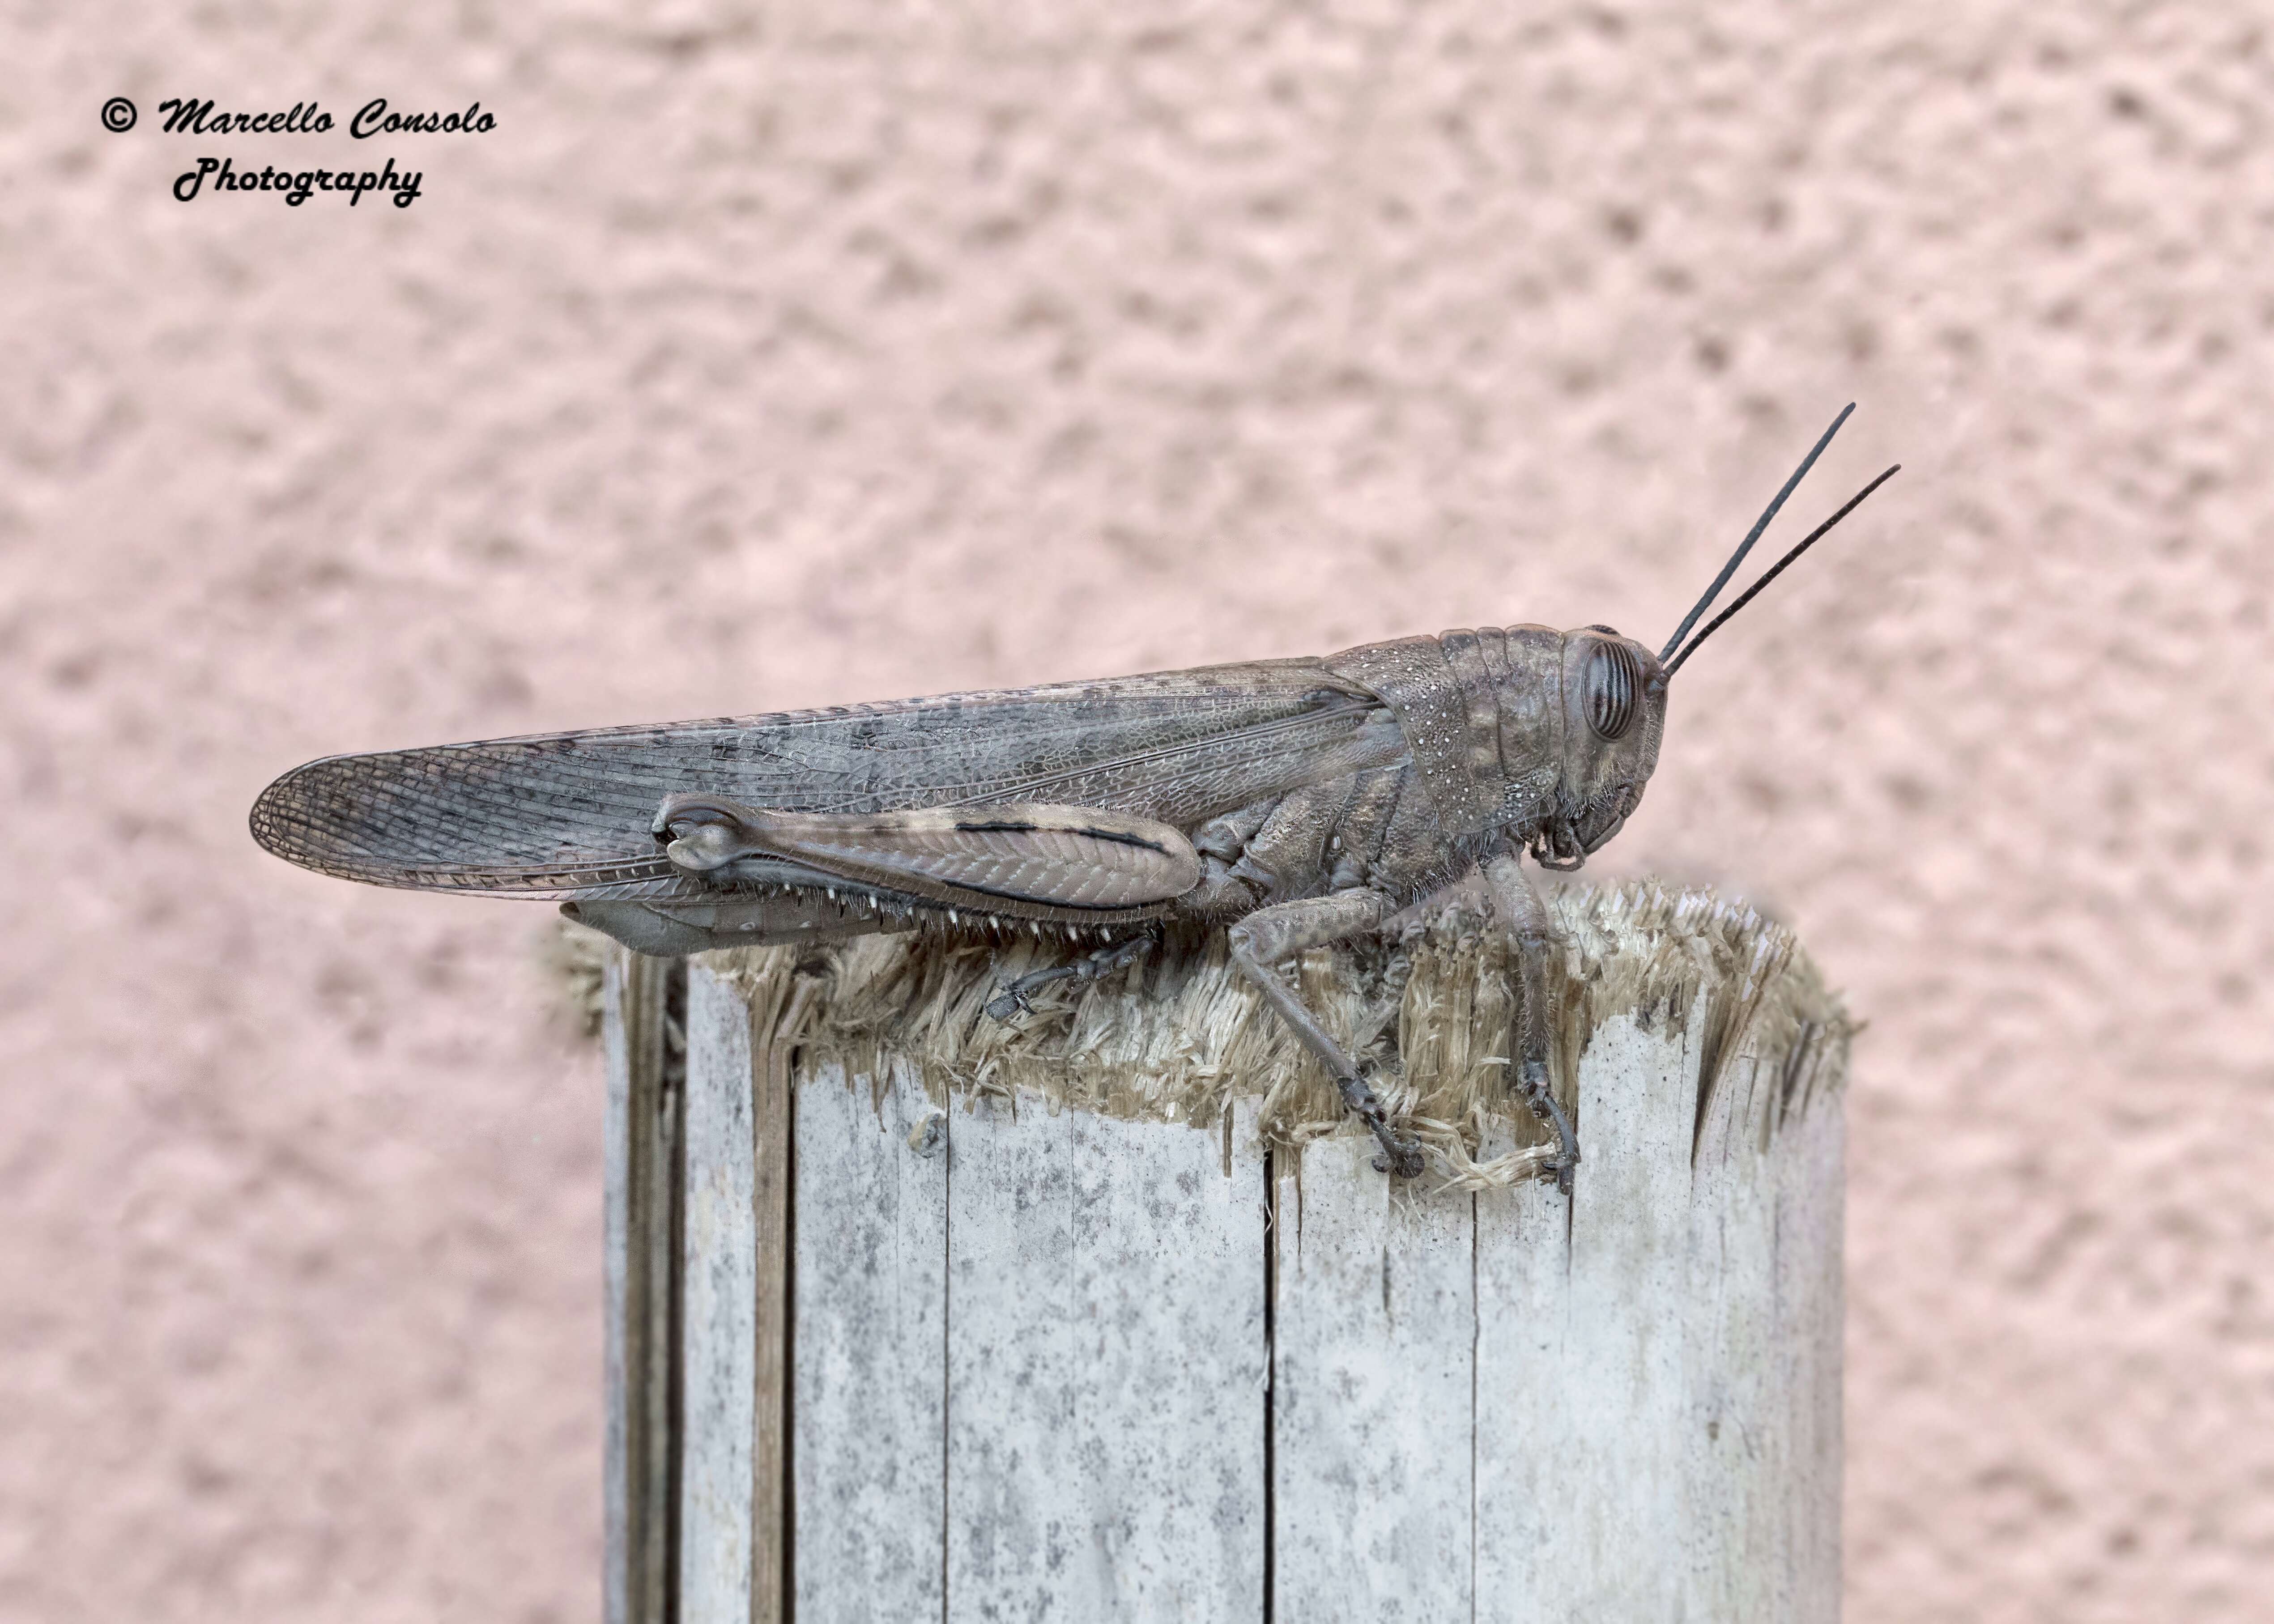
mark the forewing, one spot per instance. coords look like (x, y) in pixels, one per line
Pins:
(568, 814)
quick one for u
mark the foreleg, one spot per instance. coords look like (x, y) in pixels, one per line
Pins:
(1525, 920)
(1267, 939)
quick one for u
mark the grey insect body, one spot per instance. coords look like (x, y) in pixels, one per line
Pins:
(1292, 802)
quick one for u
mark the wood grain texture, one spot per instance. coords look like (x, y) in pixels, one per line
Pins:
(1808, 1372)
(716, 1558)
(768, 1019)
(640, 1143)
(1372, 1394)
(1658, 1394)
(870, 1415)
(1105, 1370)
(1579, 1360)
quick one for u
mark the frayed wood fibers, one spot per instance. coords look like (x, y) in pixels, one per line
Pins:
(1426, 1009)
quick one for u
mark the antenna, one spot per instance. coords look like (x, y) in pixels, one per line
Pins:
(1754, 535)
(1777, 568)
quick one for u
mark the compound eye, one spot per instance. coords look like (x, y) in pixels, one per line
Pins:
(1613, 689)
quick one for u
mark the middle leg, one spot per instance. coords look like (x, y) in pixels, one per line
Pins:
(1267, 939)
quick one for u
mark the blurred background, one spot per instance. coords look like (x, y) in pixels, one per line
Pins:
(768, 356)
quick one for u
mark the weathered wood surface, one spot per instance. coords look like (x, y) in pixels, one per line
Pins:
(869, 1407)
(1372, 1424)
(735, 1307)
(1658, 1398)
(1105, 1360)
(719, 1484)
(640, 1219)
(1048, 1363)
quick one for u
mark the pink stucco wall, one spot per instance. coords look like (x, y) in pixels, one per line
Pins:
(767, 356)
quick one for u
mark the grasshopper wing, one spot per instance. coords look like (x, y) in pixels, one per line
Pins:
(569, 815)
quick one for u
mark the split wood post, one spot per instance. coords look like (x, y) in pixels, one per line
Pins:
(1105, 1315)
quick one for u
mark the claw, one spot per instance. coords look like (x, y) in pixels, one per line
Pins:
(1531, 1083)
(1401, 1157)
(1009, 1001)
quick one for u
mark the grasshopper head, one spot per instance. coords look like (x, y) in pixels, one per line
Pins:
(1614, 715)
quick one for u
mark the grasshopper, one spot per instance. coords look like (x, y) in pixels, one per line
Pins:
(1292, 802)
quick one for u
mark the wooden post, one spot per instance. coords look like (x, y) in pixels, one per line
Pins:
(642, 1009)
(1105, 1315)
